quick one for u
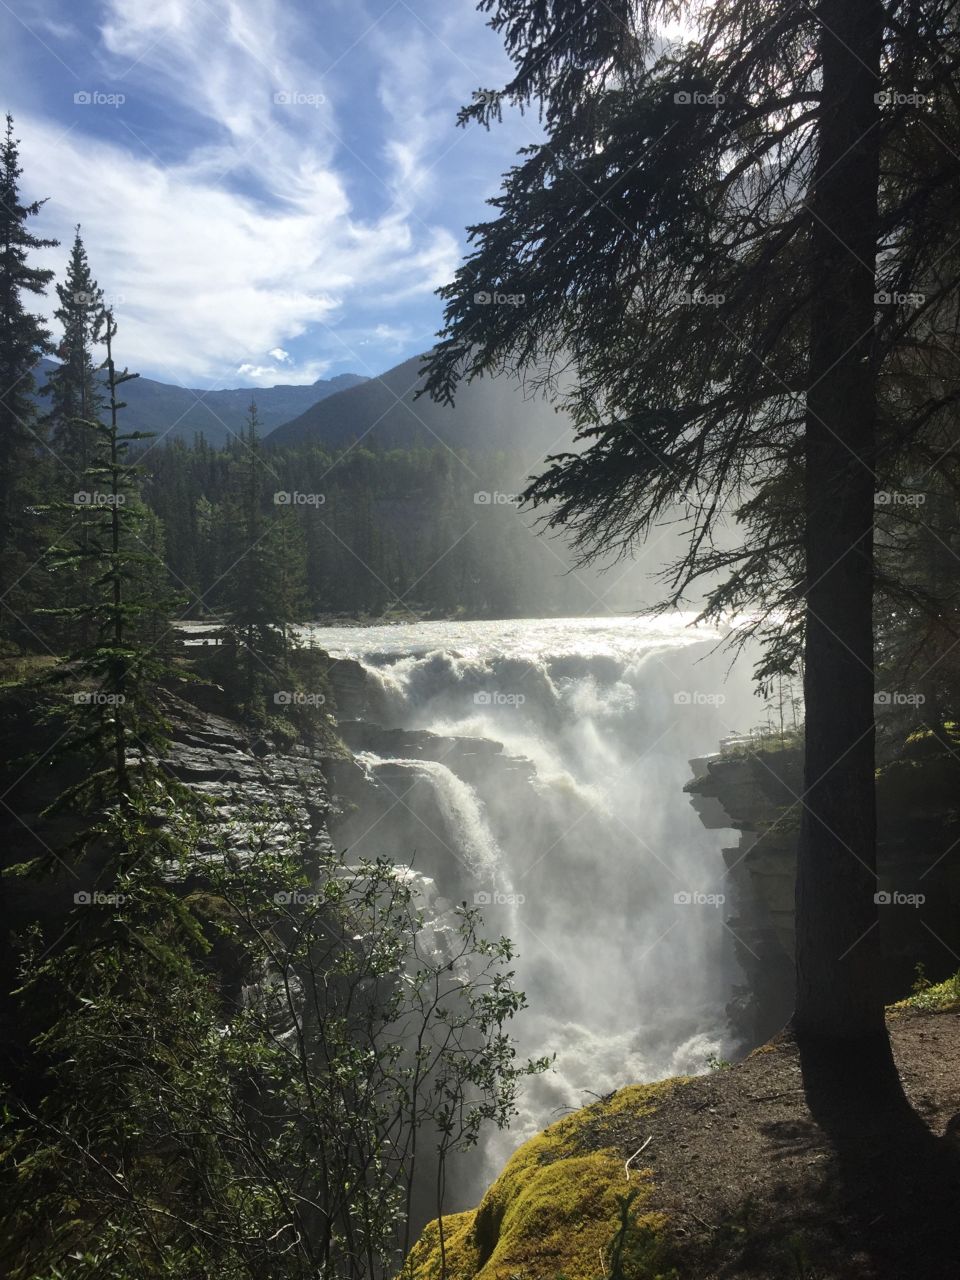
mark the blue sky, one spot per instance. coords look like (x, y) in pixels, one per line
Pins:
(270, 190)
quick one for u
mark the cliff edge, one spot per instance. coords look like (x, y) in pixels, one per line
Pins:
(765, 1169)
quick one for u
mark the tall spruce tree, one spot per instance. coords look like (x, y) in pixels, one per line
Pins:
(24, 338)
(76, 398)
(696, 244)
(261, 593)
(75, 392)
(120, 626)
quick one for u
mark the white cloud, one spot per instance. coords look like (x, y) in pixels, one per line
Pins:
(265, 375)
(226, 219)
(60, 30)
(206, 273)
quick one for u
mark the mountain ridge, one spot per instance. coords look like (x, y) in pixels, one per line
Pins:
(490, 415)
(177, 412)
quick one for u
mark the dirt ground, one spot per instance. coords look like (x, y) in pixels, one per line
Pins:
(763, 1175)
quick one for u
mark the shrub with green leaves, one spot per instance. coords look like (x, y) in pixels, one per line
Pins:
(259, 1078)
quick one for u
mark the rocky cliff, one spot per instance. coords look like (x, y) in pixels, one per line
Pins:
(240, 774)
(758, 792)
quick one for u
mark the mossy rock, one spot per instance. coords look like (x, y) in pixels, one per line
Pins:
(555, 1208)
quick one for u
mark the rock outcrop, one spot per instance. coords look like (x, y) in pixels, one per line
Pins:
(243, 775)
(747, 1171)
(758, 793)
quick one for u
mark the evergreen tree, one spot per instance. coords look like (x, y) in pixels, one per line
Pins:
(76, 398)
(23, 339)
(261, 593)
(75, 394)
(120, 659)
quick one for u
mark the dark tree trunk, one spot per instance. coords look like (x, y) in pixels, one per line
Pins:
(838, 995)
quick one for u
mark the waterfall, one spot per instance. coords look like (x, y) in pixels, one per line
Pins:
(463, 812)
(536, 768)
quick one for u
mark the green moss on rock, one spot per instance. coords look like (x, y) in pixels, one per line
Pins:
(555, 1208)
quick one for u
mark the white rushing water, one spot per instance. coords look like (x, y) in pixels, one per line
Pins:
(593, 860)
(464, 815)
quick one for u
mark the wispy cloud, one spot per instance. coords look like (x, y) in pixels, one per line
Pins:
(254, 177)
(208, 276)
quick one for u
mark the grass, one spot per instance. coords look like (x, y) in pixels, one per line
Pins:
(932, 997)
(22, 668)
(764, 740)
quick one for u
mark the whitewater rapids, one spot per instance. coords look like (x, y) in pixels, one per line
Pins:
(596, 865)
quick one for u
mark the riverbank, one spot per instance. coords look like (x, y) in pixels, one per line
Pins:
(750, 1171)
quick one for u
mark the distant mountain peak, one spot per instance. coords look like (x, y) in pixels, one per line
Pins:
(490, 414)
(175, 412)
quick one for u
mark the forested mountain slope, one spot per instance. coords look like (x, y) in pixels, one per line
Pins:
(490, 415)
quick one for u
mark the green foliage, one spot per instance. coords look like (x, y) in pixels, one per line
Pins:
(75, 395)
(675, 329)
(243, 1064)
(716, 1063)
(261, 591)
(638, 1250)
(799, 1257)
(24, 337)
(398, 533)
(121, 620)
(249, 1081)
(930, 997)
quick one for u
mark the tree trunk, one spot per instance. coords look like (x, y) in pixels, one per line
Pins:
(838, 994)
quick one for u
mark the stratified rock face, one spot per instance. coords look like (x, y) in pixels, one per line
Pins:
(408, 795)
(243, 775)
(472, 759)
(215, 757)
(351, 690)
(758, 793)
